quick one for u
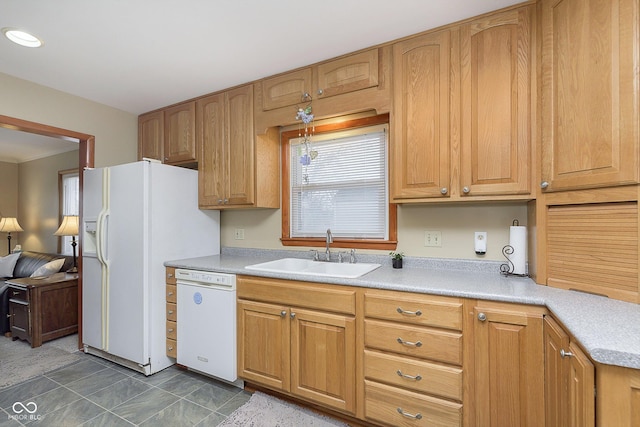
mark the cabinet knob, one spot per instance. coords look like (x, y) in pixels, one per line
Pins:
(226, 201)
(444, 190)
(544, 185)
(170, 293)
(466, 190)
(320, 91)
(170, 330)
(170, 311)
(283, 313)
(482, 317)
(293, 315)
(170, 348)
(170, 275)
(219, 201)
(564, 354)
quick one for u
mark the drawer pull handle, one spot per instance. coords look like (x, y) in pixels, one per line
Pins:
(409, 377)
(15, 293)
(414, 344)
(410, 313)
(417, 416)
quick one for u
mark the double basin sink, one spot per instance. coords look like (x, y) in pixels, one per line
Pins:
(308, 267)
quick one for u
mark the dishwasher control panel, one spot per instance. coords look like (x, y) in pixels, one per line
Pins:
(205, 277)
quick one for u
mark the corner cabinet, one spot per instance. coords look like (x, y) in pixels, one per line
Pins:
(508, 384)
(569, 380)
(298, 338)
(237, 168)
(590, 93)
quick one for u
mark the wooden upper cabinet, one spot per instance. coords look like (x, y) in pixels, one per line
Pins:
(590, 93)
(151, 135)
(495, 63)
(420, 149)
(236, 167)
(180, 133)
(343, 75)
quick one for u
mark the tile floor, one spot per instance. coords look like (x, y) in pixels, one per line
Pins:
(96, 392)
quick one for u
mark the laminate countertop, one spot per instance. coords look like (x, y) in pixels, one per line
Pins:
(609, 330)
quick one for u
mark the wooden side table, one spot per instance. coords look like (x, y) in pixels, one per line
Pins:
(43, 309)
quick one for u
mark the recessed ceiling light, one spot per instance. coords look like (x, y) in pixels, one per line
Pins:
(22, 37)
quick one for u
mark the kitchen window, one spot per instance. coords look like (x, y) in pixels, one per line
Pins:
(339, 182)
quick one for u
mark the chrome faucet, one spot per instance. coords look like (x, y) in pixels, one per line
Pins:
(329, 239)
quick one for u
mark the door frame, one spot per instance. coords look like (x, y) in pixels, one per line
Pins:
(86, 153)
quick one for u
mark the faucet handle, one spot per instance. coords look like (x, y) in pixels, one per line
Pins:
(352, 256)
(316, 257)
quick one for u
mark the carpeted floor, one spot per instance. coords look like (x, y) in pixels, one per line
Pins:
(263, 410)
(19, 362)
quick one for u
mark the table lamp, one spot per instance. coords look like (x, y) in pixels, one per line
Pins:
(69, 227)
(7, 225)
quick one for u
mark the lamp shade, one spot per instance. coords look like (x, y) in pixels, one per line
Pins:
(69, 226)
(9, 225)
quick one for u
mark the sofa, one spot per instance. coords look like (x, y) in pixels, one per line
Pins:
(27, 263)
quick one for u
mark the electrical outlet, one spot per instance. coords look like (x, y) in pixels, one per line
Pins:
(480, 242)
(433, 238)
(239, 234)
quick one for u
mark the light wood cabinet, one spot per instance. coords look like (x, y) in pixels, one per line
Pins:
(508, 384)
(413, 357)
(336, 77)
(569, 380)
(495, 103)
(180, 134)
(151, 136)
(462, 112)
(420, 154)
(298, 338)
(171, 298)
(590, 93)
(618, 396)
(236, 167)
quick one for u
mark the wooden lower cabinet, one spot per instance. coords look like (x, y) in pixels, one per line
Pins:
(171, 298)
(569, 380)
(508, 385)
(618, 396)
(299, 347)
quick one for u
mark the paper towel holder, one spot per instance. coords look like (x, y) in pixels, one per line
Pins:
(507, 268)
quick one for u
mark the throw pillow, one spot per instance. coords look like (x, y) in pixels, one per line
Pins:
(7, 264)
(49, 268)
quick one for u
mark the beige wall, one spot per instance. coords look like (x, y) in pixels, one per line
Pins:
(38, 201)
(116, 131)
(9, 190)
(456, 222)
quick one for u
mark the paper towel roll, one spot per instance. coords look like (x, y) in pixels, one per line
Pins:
(518, 241)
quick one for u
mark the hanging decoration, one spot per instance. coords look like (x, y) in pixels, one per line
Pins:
(307, 154)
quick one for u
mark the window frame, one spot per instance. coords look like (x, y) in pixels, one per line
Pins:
(286, 238)
(65, 241)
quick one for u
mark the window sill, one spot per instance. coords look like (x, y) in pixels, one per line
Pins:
(341, 243)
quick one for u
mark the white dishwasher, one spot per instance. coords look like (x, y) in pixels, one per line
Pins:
(207, 322)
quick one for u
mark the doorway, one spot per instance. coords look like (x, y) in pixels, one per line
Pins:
(86, 151)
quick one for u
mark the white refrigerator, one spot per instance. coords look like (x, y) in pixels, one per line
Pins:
(136, 216)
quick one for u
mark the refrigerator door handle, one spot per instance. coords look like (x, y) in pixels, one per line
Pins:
(101, 241)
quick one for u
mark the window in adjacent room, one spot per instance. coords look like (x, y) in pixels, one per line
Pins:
(69, 187)
(340, 183)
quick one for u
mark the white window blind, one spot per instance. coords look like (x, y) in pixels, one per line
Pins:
(344, 188)
(70, 205)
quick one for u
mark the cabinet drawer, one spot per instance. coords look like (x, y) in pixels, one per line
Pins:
(420, 376)
(417, 341)
(399, 407)
(18, 294)
(172, 295)
(172, 313)
(171, 276)
(441, 312)
(172, 348)
(172, 329)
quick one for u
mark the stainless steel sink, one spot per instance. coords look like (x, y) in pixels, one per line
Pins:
(314, 268)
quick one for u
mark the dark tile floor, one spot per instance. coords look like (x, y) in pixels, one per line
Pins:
(96, 392)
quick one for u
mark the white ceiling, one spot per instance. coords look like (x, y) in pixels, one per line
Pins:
(18, 147)
(139, 55)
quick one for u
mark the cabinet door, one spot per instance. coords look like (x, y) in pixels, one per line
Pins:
(323, 358)
(420, 164)
(286, 89)
(590, 93)
(581, 410)
(240, 161)
(263, 344)
(151, 136)
(180, 133)
(19, 322)
(555, 374)
(495, 98)
(355, 72)
(509, 367)
(211, 134)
